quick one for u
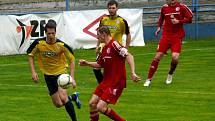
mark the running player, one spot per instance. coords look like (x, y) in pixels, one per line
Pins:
(117, 26)
(52, 54)
(112, 59)
(173, 15)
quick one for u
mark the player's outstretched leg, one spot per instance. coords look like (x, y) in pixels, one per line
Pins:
(113, 115)
(75, 97)
(152, 70)
(94, 115)
(70, 110)
(98, 74)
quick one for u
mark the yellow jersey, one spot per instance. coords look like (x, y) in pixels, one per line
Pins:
(117, 26)
(52, 58)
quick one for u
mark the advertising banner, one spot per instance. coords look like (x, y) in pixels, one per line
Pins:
(76, 28)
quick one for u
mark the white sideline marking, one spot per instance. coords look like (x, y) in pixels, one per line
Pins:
(179, 92)
(188, 50)
(128, 90)
(22, 85)
(12, 64)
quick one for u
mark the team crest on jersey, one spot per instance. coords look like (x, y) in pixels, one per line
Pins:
(108, 50)
(117, 22)
(112, 27)
(49, 54)
(114, 91)
(177, 8)
(172, 16)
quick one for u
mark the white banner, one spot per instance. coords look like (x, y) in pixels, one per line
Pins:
(76, 28)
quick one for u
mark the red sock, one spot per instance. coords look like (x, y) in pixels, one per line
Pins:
(153, 68)
(113, 115)
(94, 116)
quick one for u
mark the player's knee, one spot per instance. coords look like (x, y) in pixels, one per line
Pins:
(174, 61)
(58, 105)
(175, 58)
(64, 101)
(156, 59)
(92, 105)
(63, 97)
(101, 108)
(158, 56)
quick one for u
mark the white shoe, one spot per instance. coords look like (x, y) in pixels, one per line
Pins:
(147, 83)
(169, 79)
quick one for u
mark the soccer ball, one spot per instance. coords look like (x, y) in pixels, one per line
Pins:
(64, 80)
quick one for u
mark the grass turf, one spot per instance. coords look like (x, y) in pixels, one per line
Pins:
(191, 97)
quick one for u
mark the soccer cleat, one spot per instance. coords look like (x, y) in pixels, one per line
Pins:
(147, 83)
(75, 97)
(77, 101)
(169, 79)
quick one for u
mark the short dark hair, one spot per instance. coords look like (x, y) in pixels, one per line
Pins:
(112, 2)
(104, 29)
(51, 24)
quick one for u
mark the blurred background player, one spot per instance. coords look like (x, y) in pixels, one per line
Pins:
(117, 26)
(173, 15)
(112, 59)
(52, 54)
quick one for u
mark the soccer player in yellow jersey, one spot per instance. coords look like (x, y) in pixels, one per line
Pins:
(52, 58)
(117, 26)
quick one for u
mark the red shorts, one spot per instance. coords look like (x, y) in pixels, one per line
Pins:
(108, 94)
(173, 43)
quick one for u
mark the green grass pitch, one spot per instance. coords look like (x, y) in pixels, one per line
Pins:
(191, 96)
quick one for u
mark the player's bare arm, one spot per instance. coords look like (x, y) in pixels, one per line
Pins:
(33, 71)
(128, 40)
(88, 63)
(72, 68)
(130, 60)
(157, 31)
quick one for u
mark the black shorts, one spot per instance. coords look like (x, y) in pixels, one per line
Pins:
(51, 82)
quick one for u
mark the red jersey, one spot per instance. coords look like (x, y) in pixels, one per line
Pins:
(179, 11)
(112, 59)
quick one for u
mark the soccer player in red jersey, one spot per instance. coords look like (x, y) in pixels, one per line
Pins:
(112, 59)
(172, 17)
(118, 27)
